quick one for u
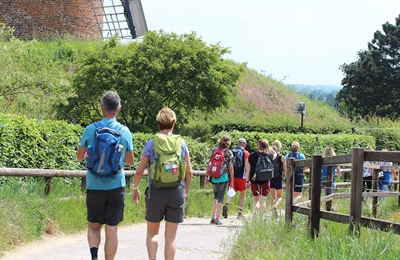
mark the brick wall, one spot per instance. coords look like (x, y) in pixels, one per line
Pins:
(48, 18)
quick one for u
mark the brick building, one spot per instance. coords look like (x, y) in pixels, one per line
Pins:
(48, 18)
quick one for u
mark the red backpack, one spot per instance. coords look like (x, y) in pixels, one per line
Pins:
(216, 163)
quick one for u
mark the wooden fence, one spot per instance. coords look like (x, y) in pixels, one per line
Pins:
(312, 208)
(49, 174)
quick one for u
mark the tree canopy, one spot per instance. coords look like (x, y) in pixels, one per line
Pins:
(371, 85)
(164, 70)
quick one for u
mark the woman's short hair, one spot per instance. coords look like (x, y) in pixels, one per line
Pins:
(329, 152)
(277, 146)
(295, 146)
(224, 142)
(166, 118)
(111, 101)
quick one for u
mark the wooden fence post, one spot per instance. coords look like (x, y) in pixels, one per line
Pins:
(202, 181)
(289, 190)
(83, 183)
(315, 195)
(356, 190)
(49, 185)
(374, 189)
(328, 188)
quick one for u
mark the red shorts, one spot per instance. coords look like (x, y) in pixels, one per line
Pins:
(239, 184)
(262, 189)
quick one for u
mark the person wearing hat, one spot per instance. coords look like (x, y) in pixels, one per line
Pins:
(240, 170)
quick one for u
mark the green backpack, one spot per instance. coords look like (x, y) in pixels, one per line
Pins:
(167, 170)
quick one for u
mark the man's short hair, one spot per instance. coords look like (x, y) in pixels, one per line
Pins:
(111, 101)
(295, 146)
(242, 141)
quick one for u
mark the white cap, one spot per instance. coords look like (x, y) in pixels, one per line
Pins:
(231, 192)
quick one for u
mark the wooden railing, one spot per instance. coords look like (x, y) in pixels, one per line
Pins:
(49, 174)
(312, 208)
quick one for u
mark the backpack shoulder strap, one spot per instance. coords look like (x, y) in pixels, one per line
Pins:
(117, 126)
(98, 124)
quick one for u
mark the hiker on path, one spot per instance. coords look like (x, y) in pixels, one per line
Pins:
(384, 177)
(280, 167)
(367, 175)
(105, 195)
(241, 167)
(335, 172)
(298, 172)
(259, 189)
(164, 199)
(220, 170)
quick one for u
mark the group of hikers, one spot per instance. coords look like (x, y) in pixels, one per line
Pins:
(107, 146)
(261, 171)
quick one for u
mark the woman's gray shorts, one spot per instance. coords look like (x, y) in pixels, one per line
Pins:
(165, 203)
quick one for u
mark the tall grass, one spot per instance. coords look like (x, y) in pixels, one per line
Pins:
(265, 237)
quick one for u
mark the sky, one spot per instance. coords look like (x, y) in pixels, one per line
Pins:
(296, 42)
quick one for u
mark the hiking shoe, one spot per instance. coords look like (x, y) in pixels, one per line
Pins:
(218, 221)
(225, 211)
(212, 220)
(240, 215)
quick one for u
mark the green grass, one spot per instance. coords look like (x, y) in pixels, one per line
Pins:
(270, 238)
(26, 213)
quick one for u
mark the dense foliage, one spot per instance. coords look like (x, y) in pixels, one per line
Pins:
(164, 70)
(38, 144)
(371, 84)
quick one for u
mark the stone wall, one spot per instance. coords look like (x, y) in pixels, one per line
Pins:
(49, 18)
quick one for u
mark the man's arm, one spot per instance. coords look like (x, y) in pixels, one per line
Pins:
(129, 158)
(81, 154)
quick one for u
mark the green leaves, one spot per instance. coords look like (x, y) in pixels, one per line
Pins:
(371, 84)
(164, 70)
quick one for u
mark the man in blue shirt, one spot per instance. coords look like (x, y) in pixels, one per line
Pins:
(298, 172)
(105, 195)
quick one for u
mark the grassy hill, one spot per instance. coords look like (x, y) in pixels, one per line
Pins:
(264, 104)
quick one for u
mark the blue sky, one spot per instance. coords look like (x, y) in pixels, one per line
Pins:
(297, 42)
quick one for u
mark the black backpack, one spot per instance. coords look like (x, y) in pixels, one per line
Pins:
(264, 167)
(278, 166)
(238, 162)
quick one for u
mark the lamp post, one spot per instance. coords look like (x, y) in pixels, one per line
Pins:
(301, 109)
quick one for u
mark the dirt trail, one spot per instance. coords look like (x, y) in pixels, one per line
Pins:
(196, 239)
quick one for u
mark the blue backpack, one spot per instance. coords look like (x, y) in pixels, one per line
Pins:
(296, 156)
(105, 155)
(238, 162)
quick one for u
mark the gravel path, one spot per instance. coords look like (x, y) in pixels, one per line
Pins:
(196, 239)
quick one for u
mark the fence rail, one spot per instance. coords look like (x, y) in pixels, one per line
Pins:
(48, 174)
(356, 160)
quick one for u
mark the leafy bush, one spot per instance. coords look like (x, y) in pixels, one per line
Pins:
(38, 144)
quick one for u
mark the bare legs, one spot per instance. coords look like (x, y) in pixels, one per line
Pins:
(260, 202)
(111, 242)
(170, 239)
(217, 207)
(276, 197)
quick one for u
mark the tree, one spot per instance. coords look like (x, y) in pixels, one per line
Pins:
(371, 85)
(330, 100)
(164, 70)
(30, 77)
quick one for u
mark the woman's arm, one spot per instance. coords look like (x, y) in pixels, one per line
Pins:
(189, 175)
(138, 176)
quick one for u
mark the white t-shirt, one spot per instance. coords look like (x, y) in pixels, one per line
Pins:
(367, 171)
